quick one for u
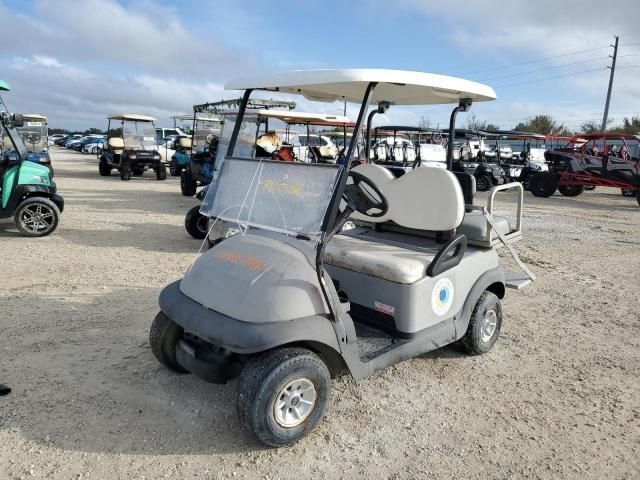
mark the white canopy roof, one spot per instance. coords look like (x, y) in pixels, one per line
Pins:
(134, 117)
(396, 86)
(35, 116)
(200, 116)
(304, 117)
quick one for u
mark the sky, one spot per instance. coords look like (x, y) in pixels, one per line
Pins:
(78, 62)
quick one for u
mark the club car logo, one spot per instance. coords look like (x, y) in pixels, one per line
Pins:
(442, 296)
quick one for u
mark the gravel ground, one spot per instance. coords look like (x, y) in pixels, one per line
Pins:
(558, 397)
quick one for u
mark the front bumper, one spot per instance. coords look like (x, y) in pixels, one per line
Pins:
(238, 336)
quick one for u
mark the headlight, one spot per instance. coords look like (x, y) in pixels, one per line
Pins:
(133, 156)
(156, 155)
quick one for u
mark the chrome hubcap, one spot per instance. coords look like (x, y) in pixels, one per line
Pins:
(489, 325)
(295, 402)
(36, 218)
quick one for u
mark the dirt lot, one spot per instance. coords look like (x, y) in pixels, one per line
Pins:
(559, 396)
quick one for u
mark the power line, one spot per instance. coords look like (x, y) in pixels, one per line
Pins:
(551, 78)
(546, 68)
(537, 60)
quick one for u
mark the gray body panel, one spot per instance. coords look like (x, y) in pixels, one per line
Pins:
(256, 278)
(228, 301)
(411, 305)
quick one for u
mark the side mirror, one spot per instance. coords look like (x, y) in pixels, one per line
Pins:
(18, 120)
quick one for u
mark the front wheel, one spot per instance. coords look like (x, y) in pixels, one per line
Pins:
(161, 172)
(571, 190)
(188, 185)
(164, 335)
(282, 395)
(484, 325)
(174, 169)
(37, 217)
(543, 184)
(104, 169)
(196, 224)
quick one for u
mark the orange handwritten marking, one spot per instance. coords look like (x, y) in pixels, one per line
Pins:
(233, 257)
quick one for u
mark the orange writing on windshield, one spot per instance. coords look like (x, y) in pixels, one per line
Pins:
(282, 187)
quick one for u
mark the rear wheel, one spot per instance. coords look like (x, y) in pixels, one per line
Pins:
(196, 224)
(484, 326)
(282, 395)
(571, 190)
(37, 217)
(164, 335)
(161, 172)
(484, 183)
(188, 184)
(543, 184)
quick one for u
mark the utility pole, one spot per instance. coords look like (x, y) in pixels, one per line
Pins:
(613, 69)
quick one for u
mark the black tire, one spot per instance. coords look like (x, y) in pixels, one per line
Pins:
(196, 224)
(264, 377)
(164, 335)
(589, 187)
(638, 197)
(188, 185)
(137, 172)
(125, 174)
(94, 150)
(476, 340)
(484, 183)
(104, 169)
(571, 190)
(543, 184)
(36, 217)
(174, 169)
(627, 192)
(161, 172)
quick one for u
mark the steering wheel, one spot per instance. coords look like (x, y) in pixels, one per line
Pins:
(32, 138)
(361, 199)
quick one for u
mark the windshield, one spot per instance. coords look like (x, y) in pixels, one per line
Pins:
(205, 132)
(286, 197)
(34, 134)
(139, 135)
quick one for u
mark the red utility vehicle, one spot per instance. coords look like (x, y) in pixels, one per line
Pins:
(600, 159)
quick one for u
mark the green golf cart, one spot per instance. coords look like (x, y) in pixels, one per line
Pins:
(27, 192)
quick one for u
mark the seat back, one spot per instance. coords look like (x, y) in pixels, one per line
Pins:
(184, 142)
(115, 143)
(422, 199)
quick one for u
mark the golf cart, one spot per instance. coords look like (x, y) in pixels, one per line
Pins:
(287, 301)
(474, 160)
(34, 132)
(131, 147)
(282, 143)
(599, 159)
(206, 135)
(520, 154)
(403, 148)
(27, 192)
